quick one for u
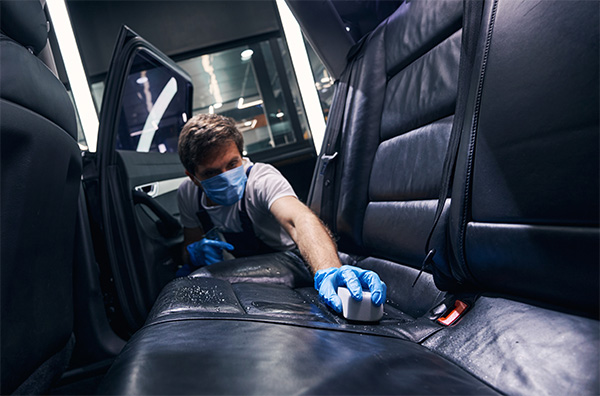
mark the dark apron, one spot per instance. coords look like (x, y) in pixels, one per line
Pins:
(245, 243)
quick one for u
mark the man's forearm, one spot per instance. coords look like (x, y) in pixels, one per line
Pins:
(315, 243)
(311, 236)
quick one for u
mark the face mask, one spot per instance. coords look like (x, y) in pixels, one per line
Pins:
(226, 188)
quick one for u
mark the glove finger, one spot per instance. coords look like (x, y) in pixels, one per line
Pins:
(228, 246)
(211, 243)
(383, 294)
(218, 244)
(377, 288)
(328, 293)
(347, 277)
(320, 275)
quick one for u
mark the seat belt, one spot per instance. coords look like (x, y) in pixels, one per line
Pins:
(321, 195)
(472, 15)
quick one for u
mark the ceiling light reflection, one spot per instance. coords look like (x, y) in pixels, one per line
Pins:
(247, 54)
(250, 104)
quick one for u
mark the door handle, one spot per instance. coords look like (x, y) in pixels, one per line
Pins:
(168, 226)
(151, 189)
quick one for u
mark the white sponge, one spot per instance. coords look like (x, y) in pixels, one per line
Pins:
(361, 311)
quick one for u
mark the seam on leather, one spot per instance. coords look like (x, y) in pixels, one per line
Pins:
(472, 140)
(238, 299)
(278, 321)
(421, 52)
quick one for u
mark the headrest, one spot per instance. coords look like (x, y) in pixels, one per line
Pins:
(25, 22)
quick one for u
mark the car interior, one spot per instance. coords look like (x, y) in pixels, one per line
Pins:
(460, 163)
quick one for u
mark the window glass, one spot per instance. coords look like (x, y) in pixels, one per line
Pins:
(254, 84)
(297, 99)
(97, 94)
(323, 81)
(80, 136)
(153, 105)
(251, 84)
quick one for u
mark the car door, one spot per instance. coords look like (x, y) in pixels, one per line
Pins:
(147, 100)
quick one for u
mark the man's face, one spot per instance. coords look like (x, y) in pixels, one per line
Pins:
(220, 160)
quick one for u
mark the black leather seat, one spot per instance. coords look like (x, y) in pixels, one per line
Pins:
(40, 179)
(312, 350)
(527, 333)
(523, 223)
(525, 218)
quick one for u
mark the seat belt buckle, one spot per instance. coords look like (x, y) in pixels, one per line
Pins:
(460, 308)
(326, 158)
(452, 308)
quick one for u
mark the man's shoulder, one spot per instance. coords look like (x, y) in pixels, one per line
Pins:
(260, 169)
(266, 184)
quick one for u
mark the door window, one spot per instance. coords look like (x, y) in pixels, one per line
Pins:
(152, 99)
(255, 85)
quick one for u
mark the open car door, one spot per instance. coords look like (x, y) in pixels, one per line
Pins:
(147, 100)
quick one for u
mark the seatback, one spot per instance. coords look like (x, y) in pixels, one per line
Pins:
(525, 208)
(40, 178)
(398, 121)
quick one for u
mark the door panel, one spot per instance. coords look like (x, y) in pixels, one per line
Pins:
(147, 100)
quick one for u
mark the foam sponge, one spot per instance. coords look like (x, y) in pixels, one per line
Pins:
(360, 311)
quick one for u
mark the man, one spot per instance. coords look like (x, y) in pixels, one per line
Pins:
(254, 207)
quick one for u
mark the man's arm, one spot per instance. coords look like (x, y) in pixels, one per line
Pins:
(319, 251)
(305, 228)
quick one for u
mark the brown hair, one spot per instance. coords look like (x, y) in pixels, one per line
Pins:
(202, 134)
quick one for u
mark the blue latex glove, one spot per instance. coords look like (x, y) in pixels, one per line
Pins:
(353, 278)
(207, 251)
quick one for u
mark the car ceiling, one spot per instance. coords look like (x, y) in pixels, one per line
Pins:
(96, 39)
(362, 16)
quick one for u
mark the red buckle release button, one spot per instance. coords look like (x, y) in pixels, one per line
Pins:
(459, 308)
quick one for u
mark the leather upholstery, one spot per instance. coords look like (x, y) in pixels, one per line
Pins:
(424, 91)
(410, 222)
(43, 93)
(417, 28)
(201, 339)
(524, 350)
(398, 122)
(362, 121)
(267, 358)
(40, 180)
(259, 328)
(409, 157)
(526, 194)
(283, 268)
(25, 22)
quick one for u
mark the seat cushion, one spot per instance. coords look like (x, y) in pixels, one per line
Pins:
(206, 336)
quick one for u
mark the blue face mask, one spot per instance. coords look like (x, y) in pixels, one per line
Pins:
(226, 188)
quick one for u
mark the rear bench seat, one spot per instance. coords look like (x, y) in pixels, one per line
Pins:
(528, 248)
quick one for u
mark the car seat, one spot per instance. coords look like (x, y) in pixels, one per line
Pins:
(41, 173)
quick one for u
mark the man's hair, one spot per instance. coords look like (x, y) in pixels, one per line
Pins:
(202, 134)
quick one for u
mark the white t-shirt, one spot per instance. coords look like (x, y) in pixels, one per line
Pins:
(265, 185)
